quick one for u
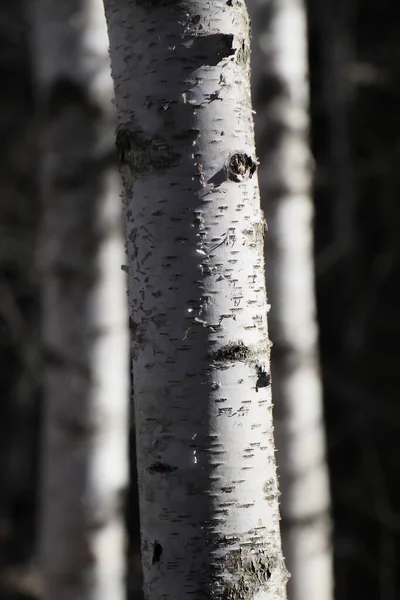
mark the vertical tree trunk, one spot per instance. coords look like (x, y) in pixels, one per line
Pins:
(207, 480)
(281, 101)
(84, 309)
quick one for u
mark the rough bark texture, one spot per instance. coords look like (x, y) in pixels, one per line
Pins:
(207, 480)
(281, 99)
(84, 309)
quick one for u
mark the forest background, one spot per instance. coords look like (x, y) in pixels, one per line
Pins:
(354, 64)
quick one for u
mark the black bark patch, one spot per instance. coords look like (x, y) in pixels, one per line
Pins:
(159, 467)
(263, 378)
(228, 489)
(231, 353)
(189, 134)
(240, 166)
(210, 49)
(154, 4)
(142, 153)
(157, 551)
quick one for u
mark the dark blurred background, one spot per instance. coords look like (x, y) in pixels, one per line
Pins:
(354, 50)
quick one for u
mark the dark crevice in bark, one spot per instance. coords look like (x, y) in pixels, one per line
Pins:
(188, 135)
(263, 378)
(160, 467)
(231, 352)
(154, 4)
(211, 49)
(158, 549)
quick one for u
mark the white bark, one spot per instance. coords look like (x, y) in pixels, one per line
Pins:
(207, 481)
(281, 100)
(85, 466)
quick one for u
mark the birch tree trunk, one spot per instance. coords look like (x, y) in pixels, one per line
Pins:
(84, 309)
(207, 481)
(281, 99)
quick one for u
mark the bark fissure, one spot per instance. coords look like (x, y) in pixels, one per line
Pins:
(158, 550)
(160, 467)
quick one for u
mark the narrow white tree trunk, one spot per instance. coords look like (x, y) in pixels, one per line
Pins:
(207, 481)
(281, 100)
(84, 309)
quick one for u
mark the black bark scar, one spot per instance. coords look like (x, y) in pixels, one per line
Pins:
(240, 166)
(263, 378)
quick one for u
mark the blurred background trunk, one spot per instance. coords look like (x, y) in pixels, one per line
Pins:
(281, 101)
(84, 308)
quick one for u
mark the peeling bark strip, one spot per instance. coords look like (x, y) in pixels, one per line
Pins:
(197, 300)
